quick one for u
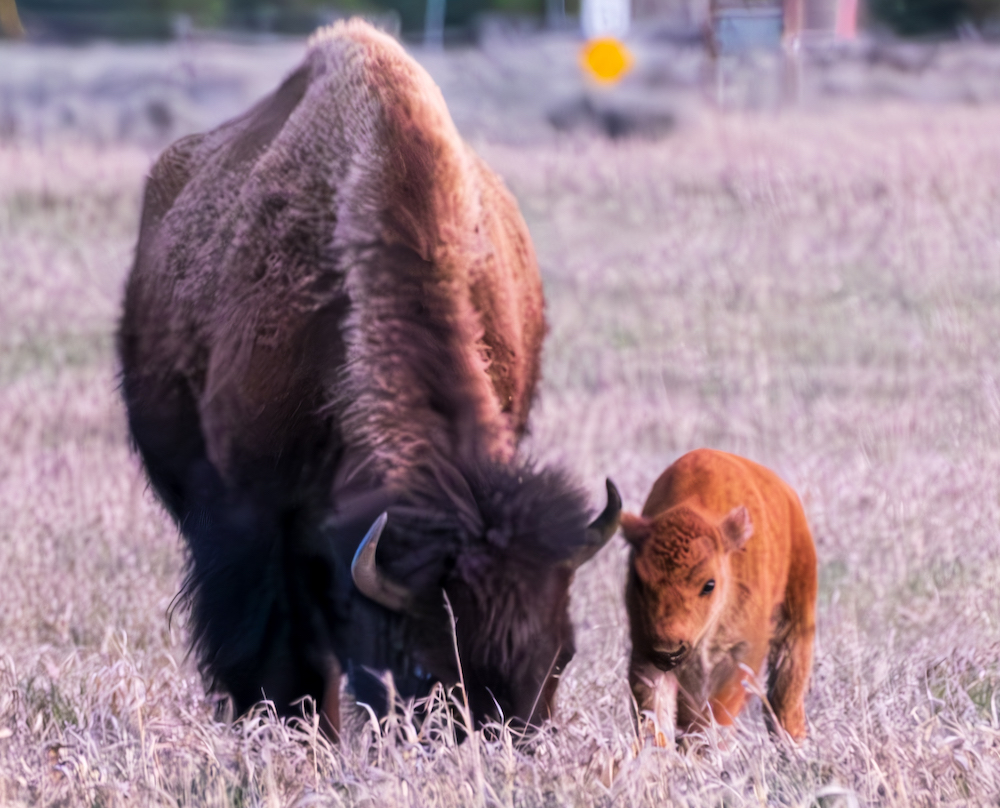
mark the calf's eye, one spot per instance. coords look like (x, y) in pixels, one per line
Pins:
(708, 587)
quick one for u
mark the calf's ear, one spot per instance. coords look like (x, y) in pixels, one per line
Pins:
(737, 528)
(635, 529)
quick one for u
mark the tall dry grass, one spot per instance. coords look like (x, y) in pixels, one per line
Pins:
(818, 293)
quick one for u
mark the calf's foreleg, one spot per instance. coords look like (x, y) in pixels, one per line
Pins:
(790, 660)
(655, 693)
(790, 666)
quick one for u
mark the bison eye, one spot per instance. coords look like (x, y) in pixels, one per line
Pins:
(707, 588)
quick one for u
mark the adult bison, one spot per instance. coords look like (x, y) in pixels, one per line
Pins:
(335, 311)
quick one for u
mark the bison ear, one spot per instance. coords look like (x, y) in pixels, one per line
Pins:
(635, 529)
(737, 527)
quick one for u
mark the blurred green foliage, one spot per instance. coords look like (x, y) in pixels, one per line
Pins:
(459, 13)
(87, 18)
(138, 19)
(929, 17)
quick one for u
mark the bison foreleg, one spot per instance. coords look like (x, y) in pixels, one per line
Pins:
(790, 665)
(790, 660)
(727, 701)
(330, 708)
(655, 693)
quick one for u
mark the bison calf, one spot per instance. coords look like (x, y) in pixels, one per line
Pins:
(722, 576)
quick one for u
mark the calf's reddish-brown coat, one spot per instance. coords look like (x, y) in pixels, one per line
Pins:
(722, 577)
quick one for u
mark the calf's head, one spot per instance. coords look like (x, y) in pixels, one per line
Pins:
(679, 578)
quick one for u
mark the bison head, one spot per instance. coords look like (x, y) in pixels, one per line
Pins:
(500, 557)
(679, 578)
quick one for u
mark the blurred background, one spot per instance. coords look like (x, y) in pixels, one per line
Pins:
(148, 72)
(165, 19)
(766, 226)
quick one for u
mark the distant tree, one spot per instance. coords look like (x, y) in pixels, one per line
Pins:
(89, 18)
(458, 13)
(928, 17)
(154, 18)
(981, 11)
(205, 13)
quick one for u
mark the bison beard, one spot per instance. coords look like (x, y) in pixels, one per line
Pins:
(335, 312)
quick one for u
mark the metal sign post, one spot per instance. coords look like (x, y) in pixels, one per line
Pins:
(605, 18)
(434, 24)
(604, 58)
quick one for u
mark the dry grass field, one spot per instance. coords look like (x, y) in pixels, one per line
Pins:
(818, 292)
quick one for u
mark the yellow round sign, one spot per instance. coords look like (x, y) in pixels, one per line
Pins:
(605, 59)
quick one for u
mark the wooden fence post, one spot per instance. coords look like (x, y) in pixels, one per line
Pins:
(10, 23)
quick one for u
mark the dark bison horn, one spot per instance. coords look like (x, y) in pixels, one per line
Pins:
(369, 580)
(603, 527)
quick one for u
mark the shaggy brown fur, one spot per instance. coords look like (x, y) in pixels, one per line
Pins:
(722, 575)
(335, 308)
